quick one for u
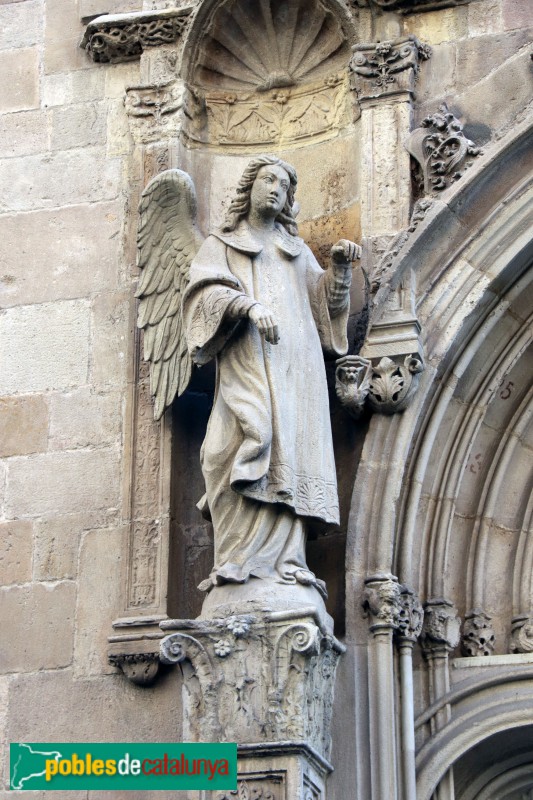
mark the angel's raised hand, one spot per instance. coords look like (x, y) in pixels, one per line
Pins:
(265, 321)
(344, 252)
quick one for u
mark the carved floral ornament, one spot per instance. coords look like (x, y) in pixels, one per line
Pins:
(390, 606)
(112, 38)
(386, 68)
(386, 387)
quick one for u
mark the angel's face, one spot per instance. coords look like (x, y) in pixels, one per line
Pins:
(269, 190)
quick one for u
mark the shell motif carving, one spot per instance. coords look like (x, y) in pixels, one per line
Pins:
(257, 45)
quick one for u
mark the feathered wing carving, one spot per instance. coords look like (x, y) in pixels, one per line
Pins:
(168, 239)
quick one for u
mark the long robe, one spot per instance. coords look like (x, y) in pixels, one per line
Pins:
(267, 457)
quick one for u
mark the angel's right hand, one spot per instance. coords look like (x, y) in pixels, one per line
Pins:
(265, 321)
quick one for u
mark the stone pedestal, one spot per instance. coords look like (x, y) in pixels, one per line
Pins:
(264, 680)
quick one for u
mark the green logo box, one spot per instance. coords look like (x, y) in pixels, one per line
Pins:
(168, 766)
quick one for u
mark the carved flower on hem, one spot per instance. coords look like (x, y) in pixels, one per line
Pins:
(238, 626)
(222, 648)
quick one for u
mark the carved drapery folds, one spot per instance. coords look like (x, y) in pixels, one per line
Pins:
(478, 634)
(256, 678)
(122, 37)
(441, 149)
(386, 68)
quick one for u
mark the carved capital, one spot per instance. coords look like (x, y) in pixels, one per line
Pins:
(352, 383)
(139, 668)
(411, 616)
(122, 37)
(153, 110)
(393, 383)
(441, 150)
(478, 634)
(261, 677)
(381, 602)
(386, 68)
(441, 629)
(522, 634)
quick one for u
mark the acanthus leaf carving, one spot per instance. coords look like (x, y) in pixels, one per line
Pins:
(386, 68)
(411, 616)
(441, 149)
(478, 634)
(393, 383)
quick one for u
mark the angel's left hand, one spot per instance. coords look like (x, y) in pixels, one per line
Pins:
(344, 252)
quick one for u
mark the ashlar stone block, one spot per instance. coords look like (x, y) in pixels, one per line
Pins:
(15, 552)
(62, 483)
(63, 31)
(65, 88)
(23, 425)
(34, 616)
(20, 79)
(434, 27)
(79, 125)
(84, 418)
(20, 26)
(52, 347)
(24, 133)
(41, 181)
(79, 245)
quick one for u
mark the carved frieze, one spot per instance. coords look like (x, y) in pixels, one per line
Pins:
(153, 110)
(122, 37)
(386, 68)
(252, 678)
(381, 602)
(275, 117)
(441, 629)
(441, 149)
(478, 634)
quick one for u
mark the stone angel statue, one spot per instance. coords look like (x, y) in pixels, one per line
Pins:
(253, 297)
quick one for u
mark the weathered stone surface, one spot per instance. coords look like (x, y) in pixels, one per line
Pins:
(80, 245)
(83, 418)
(112, 324)
(20, 26)
(23, 425)
(52, 349)
(15, 552)
(484, 17)
(78, 126)
(438, 77)
(29, 645)
(40, 181)
(63, 31)
(123, 711)
(62, 483)
(516, 13)
(57, 540)
(99, 598)
(94, 8)
(20, 79)
(119, 141)
(64, 88)
(478, 57)
(434, 27)
(24, 133)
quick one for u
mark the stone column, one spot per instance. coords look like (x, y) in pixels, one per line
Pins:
(409, 628)
(381, 604)
(264, 680)
(440, 636)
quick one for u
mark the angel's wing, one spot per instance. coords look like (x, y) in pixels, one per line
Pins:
(168, 239)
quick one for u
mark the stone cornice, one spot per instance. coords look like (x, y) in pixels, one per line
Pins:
(112, 38)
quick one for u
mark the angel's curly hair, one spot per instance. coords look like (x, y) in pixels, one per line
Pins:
(240, 205)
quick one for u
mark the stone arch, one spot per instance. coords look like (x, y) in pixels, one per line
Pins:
(471, 257)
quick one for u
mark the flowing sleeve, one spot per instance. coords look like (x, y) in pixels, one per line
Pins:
(330, 302)
(214, 302)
